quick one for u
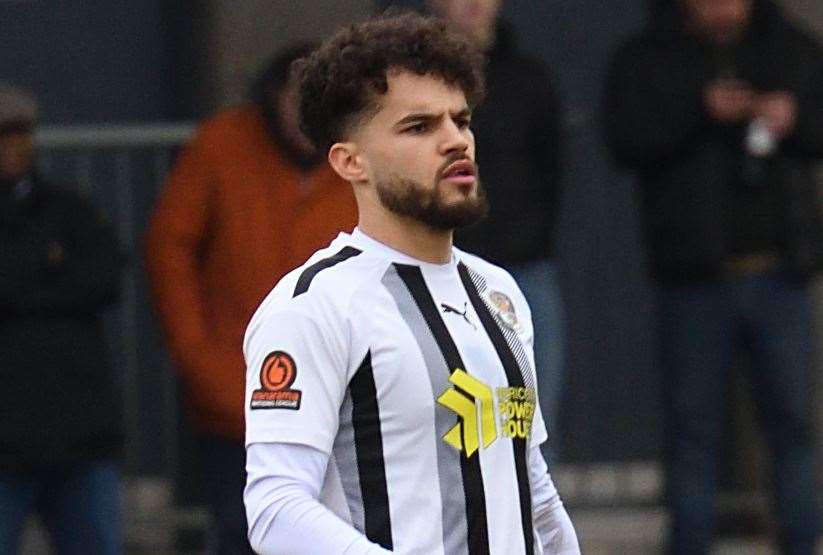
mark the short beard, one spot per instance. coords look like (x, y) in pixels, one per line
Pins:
(406, 197)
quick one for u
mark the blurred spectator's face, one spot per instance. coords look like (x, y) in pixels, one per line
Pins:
(16, 154)
(720, 21)
(476, 18)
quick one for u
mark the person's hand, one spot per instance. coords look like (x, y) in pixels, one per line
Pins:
(728, 100)
(777, 111)
(56, 255)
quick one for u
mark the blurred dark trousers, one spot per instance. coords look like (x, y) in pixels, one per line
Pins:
(539, 283)
(703, 328)
(79, 507)
(223, 464)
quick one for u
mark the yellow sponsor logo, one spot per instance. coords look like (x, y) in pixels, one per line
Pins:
(466, 436)
(473, 402)
(516, 408)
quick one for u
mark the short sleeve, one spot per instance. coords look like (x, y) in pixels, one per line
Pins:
(296, 376)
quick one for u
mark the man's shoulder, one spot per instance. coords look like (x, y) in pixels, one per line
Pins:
(518, 70)
(337, 272)
(493, 275)
(236, 119)
(798, 42)
(325, 283)
(499, 290)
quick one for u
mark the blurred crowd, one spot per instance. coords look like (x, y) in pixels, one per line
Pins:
(716, 110)
(716, 107)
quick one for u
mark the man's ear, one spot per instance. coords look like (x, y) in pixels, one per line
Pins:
(347, 162)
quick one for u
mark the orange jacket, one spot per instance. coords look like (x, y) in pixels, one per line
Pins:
(234, 218)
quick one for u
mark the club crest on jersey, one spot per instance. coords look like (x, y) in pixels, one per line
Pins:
(503, 306)
(277, 374)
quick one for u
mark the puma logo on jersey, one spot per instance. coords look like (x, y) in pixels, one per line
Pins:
(451, 310)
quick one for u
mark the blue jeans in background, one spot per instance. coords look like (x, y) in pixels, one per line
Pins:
(703, 327)
(79, 506)
(539, 283)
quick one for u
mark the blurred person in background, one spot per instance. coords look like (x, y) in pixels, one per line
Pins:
(718, 108)
(518, 130)
(248, 200)
(60, 424)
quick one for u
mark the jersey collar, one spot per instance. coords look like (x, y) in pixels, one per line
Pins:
(371, 245)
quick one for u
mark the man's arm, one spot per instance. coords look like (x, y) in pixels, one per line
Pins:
(303, 341)
(174, 240)
(807, 135)
(554, 527)
(282, 507)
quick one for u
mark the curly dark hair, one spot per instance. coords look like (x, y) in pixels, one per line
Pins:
(341, 81)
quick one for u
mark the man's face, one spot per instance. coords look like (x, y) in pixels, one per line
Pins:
(16, 154)
(475, 18)
(418, 152)
(720, 21)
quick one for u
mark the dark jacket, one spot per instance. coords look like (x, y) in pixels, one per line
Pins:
(517, 130)
(656, 125)
(58, 400)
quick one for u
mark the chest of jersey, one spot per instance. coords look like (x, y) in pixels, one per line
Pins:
(448, 422)
(438, 373)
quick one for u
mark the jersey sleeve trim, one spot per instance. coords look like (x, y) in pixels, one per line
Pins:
(308, 275)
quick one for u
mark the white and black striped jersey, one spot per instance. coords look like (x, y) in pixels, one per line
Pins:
(417, 380)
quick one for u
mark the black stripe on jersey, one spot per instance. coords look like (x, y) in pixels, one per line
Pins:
(368, 445)
(515, 379)
(476, 520)
(511, 336)
(305, 279)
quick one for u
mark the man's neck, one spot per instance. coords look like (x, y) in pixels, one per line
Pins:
(410, 237)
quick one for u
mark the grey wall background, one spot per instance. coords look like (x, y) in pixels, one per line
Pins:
(121, 60)
(242, 35)
(89, 61)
